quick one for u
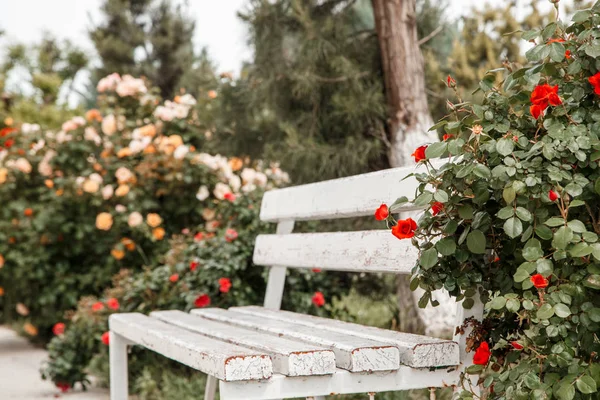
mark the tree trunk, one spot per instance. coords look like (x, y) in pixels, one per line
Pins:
(408, 125)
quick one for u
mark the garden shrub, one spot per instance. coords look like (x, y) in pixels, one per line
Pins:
(104, 193)
(515, 216)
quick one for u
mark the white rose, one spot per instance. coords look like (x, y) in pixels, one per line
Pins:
(180, 152)
(248, 175)
(202, 193)
(108, 83)
(221, 190)
(92, 135)
(134, 219)
(107, 192)
(130, 86)
(109, 125)
(23, 165)
(120, 208)
(123, 175)
(235, 182)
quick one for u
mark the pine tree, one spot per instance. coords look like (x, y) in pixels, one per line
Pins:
(142, 37)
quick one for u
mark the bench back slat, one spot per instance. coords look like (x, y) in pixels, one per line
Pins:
(362, 251)
(354, 196)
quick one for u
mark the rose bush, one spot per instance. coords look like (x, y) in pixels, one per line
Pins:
(105, 192)
(514, 218)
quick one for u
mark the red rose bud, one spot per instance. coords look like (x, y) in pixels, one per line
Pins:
(482, 354)
(58, 328)
(539, 281)
(404, 229)
(97, 306)
(436, 208)
(106, 338)
(202, 301)
(516, 345)
(382, 212)
(224, 285)
(450, 82)
(419, 154)
(447, 136)
(174, 278)
(194, 265)
(594, 80)
(552, 195)
(112, 303)
(318, 299)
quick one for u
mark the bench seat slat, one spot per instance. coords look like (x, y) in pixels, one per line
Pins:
(364, 251)
(222, 360)
(416, 351)
(291, 358)
(352, 353)
(354, 196)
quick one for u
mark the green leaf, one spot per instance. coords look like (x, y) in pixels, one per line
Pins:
(520, 275)
(579, 16)
(476, 242)
(574, 189)
(446, 246)
(577, 226)
(482, 171)
(498, 303)
(509, 194)
(428, 258)
(562, 310)
(555, 221)
(546, 311)
(436, 149)
(566, 391)
(505, 146)
(523, 214)
(465, 211)
(562, 237)
(557, 52)
(441, 196)
(543, 232)
(596, 250)
(594, 314)
(581, 250)
(597, 186)
(513, 305)
(423, 199)
(513, 227)
(544, 266)
(586, 384)
(592, 281)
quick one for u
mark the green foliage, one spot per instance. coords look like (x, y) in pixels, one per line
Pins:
(503, 236)
(161, 32)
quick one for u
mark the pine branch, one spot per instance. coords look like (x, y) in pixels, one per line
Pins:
(341, 78)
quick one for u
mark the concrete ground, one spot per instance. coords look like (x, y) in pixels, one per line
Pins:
(19, 373)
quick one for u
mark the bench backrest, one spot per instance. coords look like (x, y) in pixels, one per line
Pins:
(362, 251)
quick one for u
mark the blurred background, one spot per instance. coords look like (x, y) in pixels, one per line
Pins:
(235, 97)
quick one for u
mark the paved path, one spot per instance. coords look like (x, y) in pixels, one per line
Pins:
(19, 373)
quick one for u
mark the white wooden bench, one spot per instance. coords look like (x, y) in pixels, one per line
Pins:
(265, 353)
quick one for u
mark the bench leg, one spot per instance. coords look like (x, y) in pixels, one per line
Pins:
(119, 386)
(211, 388)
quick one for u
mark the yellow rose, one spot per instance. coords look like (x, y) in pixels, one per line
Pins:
(158, 233)
(153, 220)
(104, 221)
(122, 190)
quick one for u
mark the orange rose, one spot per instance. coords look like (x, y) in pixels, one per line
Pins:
(93, 115)
(236, 163)
(28, 212)
(158, 233)
(128, 243)
(122, 190)
(104, 221)
(1, 291)
(49, 183)
(117, 254)
(30, 329)
(153, 220)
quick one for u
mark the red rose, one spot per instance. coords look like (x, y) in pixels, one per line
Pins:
(28, 212)
(316, 270)
(64, 387)
(229, 196)
(536, 110)
(113, 303)
(436, 208)
(447, 136)
(419, 154)
(552, 195)
(516, 345)
(58, 328)
(97, 306)
(9, 142)
(174, 278)
(202, 301)
(231, 235)
(106, 338)
(318, 299)
(6, 131)
(482, 354)
(194, 265)
(545, 94)
(568, 54)
(224, 285)
(539, 281)
(595, 82)
(382, 212)
(198, 237)
(404, 229)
